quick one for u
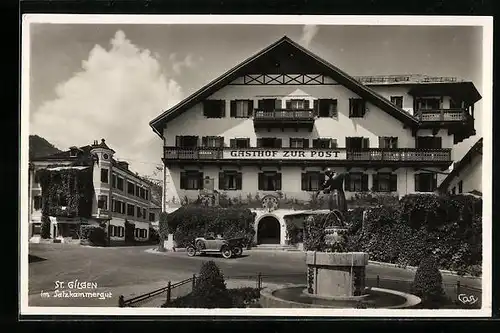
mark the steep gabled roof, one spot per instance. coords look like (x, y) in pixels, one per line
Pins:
(265, 58)
(64, 155)
(476, 149)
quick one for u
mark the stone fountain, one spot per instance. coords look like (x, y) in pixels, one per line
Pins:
(335, 277)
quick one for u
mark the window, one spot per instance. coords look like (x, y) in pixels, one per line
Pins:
(144, 213)
(357, 143)
(454, 191)
(397, 100)
(388, 142)
(36, 228)
(269, 143)
(102, 202)
(454, 104)
(37, 177)
(297, 104)
(113, 180)
(186, 141)
(230, 180)
(147, 194)
(241, 108)
(269, 104)
(105, 175)
(429, 103)
(357, 108)
(460, 186)
(191, 180)
(119, 207)
(73, 153)
(214, 108)
(212, 141)
(385, 182)
(269, 181)
(428, 142)
(312, 181)
(425, 182)
(151, 217)
(299, 143)
(326, 108)
(139, 212)
(117, 231)
(324, 143)
(130, 188)
(143, 233)
(130, 210)
(119, 183)
(239, 143)
(37, 202)
(136, 232)
(356, 182)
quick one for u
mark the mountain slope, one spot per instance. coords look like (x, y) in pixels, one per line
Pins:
(39, 147)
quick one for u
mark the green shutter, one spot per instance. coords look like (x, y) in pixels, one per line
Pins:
(375, 182)
(221, 181)
(239, 181)
(364, 182)
(394, 183)
(232, 109)
(304, 182)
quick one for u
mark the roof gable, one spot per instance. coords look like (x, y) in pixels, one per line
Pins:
(284, 56)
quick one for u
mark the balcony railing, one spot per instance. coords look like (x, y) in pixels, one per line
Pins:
(442, 115)
(284, 114)
(309, 154)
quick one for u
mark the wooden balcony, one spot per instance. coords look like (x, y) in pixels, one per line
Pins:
(284, 118)
(443, 115)
(370, 157)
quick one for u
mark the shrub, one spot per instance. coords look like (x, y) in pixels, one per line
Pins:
(210, 289)
(244, 297)
(129, 232)
(93, 235)
(153, 235)
(428, 284)
(45, 229)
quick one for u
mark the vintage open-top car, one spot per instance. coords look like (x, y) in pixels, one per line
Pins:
(210, 244)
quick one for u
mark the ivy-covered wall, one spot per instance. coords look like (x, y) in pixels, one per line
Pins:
(71, 188)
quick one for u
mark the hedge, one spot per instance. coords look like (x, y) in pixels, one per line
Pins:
(92, 235)
(189, 222)
(45, 229)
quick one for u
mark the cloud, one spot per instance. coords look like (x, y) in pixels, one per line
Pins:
(308, 33)
(114, 96)
(189, 62)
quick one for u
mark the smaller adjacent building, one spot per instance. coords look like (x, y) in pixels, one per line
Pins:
(466, 176)
(87, 185)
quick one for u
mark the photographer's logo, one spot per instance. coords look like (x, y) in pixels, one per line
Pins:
(468, 299)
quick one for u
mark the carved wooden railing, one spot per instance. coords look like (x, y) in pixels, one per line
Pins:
(442, 115)
(284, 114)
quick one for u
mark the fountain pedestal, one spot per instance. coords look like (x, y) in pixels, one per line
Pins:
(336, 275)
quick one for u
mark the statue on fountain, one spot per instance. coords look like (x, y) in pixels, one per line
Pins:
(333, 186)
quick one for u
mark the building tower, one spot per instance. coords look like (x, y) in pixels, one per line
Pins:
(102, 180)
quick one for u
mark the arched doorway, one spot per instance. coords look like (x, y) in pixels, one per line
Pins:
(268, 231)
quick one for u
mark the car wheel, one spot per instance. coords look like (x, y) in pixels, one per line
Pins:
(226, 252)
(237, 251)
(191, 251)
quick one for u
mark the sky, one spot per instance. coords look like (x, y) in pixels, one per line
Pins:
(93, 81)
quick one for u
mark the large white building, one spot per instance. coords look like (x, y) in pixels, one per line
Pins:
(117, 195)
(270, 126)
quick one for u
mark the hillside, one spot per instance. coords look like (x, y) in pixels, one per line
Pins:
(39, 147)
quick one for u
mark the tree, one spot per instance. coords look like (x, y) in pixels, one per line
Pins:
(45, 229)
(428, 284)
(210, 289)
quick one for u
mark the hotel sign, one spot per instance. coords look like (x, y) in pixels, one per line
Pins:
(285, 154)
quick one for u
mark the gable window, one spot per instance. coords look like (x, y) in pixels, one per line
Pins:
(230, 180)
(239, 143)
(429, 103)
(130, 188)
(357, 143)
(214, 108)
(397, 100)
(428, 142)
(212, 141)
(357, 108)
(326, 108)
(312, 181)
(269, 143)
(119, 183)
(385, 182)
(102, 202)
(425, 182)
(324, 143)
(297, 104)
(388, 142)
(241, 108)
(191, 180)
(130, 210)
(105, 175)
(269, 104)
(460, 187)
(356, 182)
(269, 181)
(151, 217)
(299, 143)
(186, 141)
(37, 202)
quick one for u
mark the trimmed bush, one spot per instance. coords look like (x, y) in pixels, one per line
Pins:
(45, 228)
(210, 288)
(428, 284)
(93, 235)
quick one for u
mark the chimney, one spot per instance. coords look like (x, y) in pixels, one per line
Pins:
(102, 141)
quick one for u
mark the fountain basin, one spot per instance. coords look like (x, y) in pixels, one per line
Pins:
(293, 296)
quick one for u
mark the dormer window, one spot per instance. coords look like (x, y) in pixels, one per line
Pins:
(73, 153)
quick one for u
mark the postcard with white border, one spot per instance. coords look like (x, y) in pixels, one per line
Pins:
(256, 165)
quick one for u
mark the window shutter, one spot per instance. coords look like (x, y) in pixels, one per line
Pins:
(315, 143)
(260, 104)
(304, 182)
(247, 143)
(306, 104)
(205, 106)
(366, 143)
(232, 143)
(334, 143)
(261, 182)
(259, 142)
(232, 109)
(351, 101)
(177, 141)
(200, 181)
(381, 142)
(278, 181)
(394, 183)
(239, 181)
(417, 182)
(348, 142)
(250, 108)
(278, 143)
(222, 108)
(375, 182)
(306, 143)
(204, 141)
(347, 182)
(395, 142)
(316, 107)
(183, 181)
(290, 142)
(277, 104)
(364, 182)
(437, 142)
(221, 181)
(221, 142)
(363, 107)
(288, 104)
(334, 111)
